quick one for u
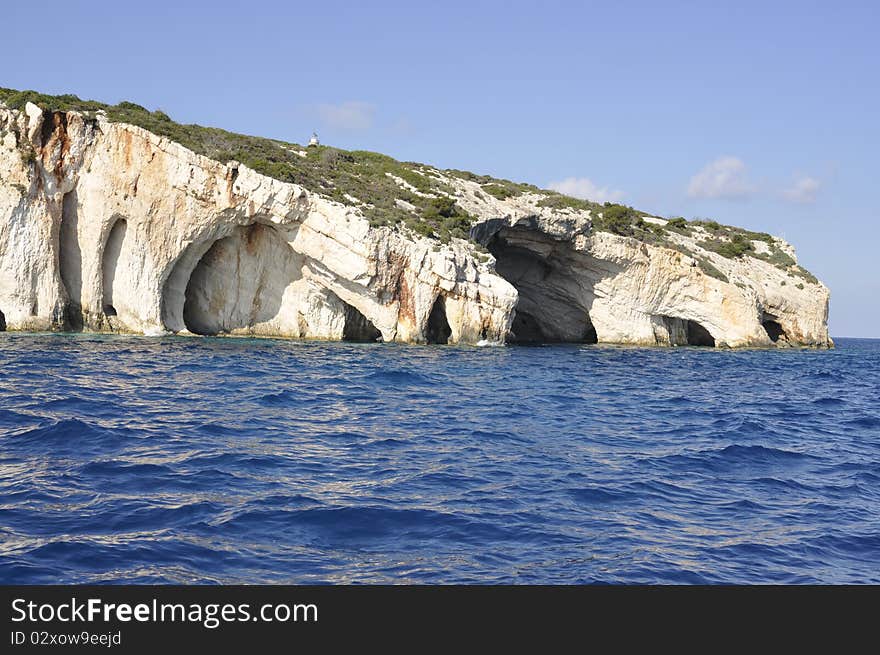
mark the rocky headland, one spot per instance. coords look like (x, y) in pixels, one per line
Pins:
(117, 219)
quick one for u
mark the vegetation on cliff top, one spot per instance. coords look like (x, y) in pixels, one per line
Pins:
(350, 177)
(424, 202)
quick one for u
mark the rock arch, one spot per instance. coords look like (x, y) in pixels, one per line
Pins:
(2, 322)
(528, 329)
(70, 261)
(675, 331)
(174, 286)
(697, 335)
(109, 264)
(177, 274)
(239, 281)
(358, 327)
(774, 330)
(437, 330)
(552, 306)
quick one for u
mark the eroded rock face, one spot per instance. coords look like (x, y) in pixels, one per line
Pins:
(108, 227)
(607, 288)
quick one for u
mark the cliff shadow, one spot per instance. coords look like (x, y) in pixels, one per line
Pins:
(358, 327)
(697, 335)
(675, 331)
(553, 306)
(774, 330)
(70, 261)
(109, 263)
(239, 282)
(437, 330)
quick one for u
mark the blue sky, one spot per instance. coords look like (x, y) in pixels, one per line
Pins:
(759, 114)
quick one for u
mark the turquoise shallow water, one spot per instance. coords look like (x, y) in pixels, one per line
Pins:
(129, 459)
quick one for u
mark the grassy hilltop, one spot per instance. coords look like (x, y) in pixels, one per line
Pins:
(408, 194)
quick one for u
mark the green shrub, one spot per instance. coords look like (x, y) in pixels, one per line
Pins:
(443, 206)
(498, 191)
(757, 236)
(28, 156)
(618, 219)
(130, 106)
(710, 269)
(468, 176)
(446, 218)
(777, 257)
(503, 186)
(712, 226)
(805, 274)
(67, 102)
(421, 227)
(555, 200)
(736, 246)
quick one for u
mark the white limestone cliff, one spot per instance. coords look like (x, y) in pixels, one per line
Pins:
(107, 227)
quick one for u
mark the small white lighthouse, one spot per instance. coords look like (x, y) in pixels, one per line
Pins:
(314, 140)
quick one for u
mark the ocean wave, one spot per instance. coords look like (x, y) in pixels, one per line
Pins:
(67, 436)
(219, 461)
(10, 419)
(759, 454)
(281, 398)
(829, 401)
(864, 422)
(594, 496)
(397, 378)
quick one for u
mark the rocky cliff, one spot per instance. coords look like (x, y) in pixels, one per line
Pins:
(107, 226)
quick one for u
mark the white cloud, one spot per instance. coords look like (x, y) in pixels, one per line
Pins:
(726, 177)
(582, 187)
(351, 115)
(803, 190)
(402, 127)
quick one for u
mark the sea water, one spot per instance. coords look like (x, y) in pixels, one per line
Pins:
(201, 460)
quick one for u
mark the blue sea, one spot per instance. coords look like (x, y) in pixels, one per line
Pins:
(212, 460)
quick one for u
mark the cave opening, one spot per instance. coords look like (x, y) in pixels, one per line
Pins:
(590, 335)
(526, 330)
(70, 261)
(200, 309)
(774, 330)
(204, 298)
(438, 330)
(2, 322)
(109, 263)
(358, 327)
(697, 335)
(552, 305)
(235, 283)
(674, 331)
